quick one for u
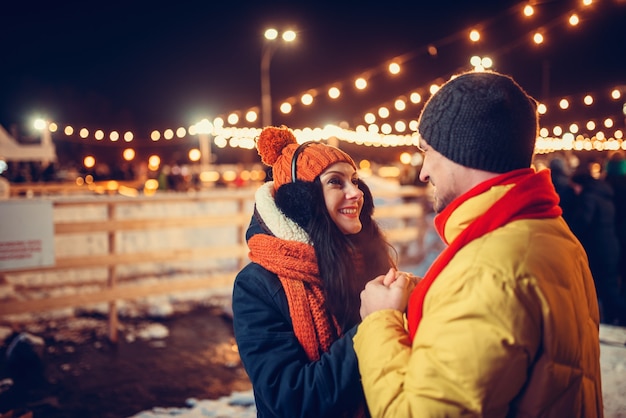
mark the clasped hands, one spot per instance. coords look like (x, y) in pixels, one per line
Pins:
(389, 291)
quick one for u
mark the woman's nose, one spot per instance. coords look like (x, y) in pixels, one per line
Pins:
(353, 191)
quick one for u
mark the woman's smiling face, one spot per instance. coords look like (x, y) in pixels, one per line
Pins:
(343, 198)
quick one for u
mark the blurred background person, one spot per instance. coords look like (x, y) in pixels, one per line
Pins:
(594, 225)
(561, 174)
(616, 177)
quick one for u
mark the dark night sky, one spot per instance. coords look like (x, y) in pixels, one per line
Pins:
(150, 65)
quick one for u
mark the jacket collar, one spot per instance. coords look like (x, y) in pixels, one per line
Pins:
(471, 209)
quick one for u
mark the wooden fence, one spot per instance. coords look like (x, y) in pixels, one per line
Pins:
(401, 213)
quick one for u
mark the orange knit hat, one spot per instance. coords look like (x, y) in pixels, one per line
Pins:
(276, 147)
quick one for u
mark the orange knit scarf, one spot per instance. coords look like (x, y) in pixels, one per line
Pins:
(295, 264)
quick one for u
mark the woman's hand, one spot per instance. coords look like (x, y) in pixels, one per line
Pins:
(390, 291)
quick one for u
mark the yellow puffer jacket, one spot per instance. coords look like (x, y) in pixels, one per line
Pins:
(509, 329)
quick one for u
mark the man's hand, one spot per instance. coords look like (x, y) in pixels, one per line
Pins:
(390, 291)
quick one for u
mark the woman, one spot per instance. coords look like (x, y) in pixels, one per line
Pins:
(313, 246)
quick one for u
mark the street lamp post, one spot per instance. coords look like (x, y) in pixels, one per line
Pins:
(269, 47)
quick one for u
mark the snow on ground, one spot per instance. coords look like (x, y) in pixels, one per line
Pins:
(237, 405)
(613, 364)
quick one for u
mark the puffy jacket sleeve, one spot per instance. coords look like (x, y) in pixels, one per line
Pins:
(470, 356)
(285, 382)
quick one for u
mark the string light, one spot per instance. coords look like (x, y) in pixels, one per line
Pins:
(528, 10)
(394, 68)
(334, 92)
(128, 154)
(360, 83)
(252, 116)
(217, 128)
(285, 108)
(233, 118)
(307, 99)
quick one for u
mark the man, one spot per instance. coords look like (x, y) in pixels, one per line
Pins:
(505, 322)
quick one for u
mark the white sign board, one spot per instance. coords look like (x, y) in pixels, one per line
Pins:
(26, 234)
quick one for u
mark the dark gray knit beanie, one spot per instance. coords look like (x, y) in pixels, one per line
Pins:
(482, 120)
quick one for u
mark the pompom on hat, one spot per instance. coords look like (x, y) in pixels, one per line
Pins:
(277, 145)
(482, 120)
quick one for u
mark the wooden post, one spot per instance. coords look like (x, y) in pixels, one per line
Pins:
(112, 282)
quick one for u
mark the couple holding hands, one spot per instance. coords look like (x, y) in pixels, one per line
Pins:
(505, 322)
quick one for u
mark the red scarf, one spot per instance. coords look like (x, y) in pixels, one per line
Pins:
(532, 197)
(295, 264)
